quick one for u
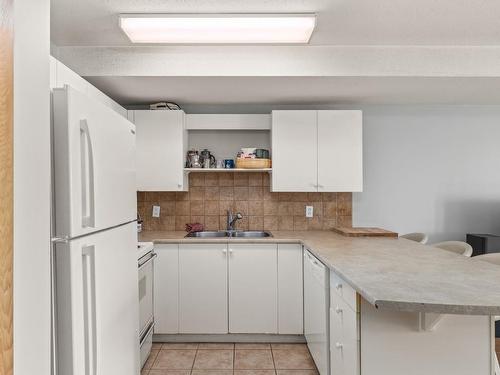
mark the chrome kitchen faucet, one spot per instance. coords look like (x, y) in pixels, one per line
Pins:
(231, 220)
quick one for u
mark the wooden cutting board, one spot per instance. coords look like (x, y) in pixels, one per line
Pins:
(364, 232)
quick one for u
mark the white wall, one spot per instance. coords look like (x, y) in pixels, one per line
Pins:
(61, 75)
(225, 144)
(31, 188)
(431, 169)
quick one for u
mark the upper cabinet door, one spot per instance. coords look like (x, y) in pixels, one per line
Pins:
(295, 151)
(161, 144)
(340, 151)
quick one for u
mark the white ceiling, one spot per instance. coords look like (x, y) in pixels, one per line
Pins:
(259, 94)
(342, 65)
(340, 22)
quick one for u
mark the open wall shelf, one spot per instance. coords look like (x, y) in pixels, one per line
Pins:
(220, 170)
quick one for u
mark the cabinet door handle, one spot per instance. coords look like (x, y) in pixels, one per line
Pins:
(339, 345)
(230, 250)
(224, 251)
(338, 310)
(338, 286)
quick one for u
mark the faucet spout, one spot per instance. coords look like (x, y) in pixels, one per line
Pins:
(232, 219)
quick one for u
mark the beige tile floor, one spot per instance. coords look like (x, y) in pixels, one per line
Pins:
(229, 359)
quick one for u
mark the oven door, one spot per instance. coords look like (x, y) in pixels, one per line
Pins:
(146, 275)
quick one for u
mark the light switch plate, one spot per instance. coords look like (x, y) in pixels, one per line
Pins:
(156, 211)
(309, 211)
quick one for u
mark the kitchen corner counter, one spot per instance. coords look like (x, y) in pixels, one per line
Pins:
(391, 274)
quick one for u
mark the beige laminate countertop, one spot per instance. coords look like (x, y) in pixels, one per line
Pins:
(395, 274)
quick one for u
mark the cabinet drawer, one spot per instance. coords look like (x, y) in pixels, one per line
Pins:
(342, 289)
(344, 358)
(344, 338)
(344, 320)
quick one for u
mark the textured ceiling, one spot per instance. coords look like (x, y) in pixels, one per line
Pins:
(363, 23)
(340, 22)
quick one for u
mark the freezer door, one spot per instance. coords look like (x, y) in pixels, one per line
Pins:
(97, 304)
(94, 165)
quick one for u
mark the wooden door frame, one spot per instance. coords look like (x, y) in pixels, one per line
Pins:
(6, 185)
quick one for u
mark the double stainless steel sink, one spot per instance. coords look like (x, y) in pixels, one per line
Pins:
(230, 234)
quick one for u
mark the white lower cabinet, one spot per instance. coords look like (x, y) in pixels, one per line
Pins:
(253, 288)
(229, 288)
(203, 288)
(344, 329)
(290, 290)
(166, 289)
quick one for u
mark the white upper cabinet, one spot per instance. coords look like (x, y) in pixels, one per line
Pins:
(317, 151)
(295, 155)
(161, 143)
(340, 151)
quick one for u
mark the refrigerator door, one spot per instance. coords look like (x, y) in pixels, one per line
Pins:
(94, 165)
(97, 304)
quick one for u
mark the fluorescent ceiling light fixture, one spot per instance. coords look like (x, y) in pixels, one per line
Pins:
(218, 28)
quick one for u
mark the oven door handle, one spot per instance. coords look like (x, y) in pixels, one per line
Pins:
(145, 336)
(145, 262)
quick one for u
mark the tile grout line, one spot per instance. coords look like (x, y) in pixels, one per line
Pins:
(234, 356)
(272, 356)
(194, 360)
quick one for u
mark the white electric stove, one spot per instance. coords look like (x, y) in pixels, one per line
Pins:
(146, 258)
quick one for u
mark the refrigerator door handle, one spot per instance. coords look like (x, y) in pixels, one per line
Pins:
(87, 176)
(89, 305)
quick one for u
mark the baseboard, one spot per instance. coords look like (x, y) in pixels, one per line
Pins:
(231, 337)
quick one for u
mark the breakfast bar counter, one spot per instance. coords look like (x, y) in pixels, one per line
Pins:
(389, 273)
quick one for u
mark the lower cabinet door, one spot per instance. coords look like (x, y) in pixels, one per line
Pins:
(290, 290)
(166, 289)
(253, 288)
(203, 288)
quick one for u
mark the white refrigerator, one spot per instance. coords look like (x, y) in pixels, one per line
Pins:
(95, 242)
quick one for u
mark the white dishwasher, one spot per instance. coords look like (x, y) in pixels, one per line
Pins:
(316, 308)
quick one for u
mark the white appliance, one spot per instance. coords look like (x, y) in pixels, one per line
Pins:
(146, 298)
(316, 309)
(95, 240)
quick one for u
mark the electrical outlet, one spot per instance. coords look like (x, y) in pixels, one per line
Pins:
(309, 211)
(156, 211)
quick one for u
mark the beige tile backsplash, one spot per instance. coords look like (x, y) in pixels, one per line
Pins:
(210, 195)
